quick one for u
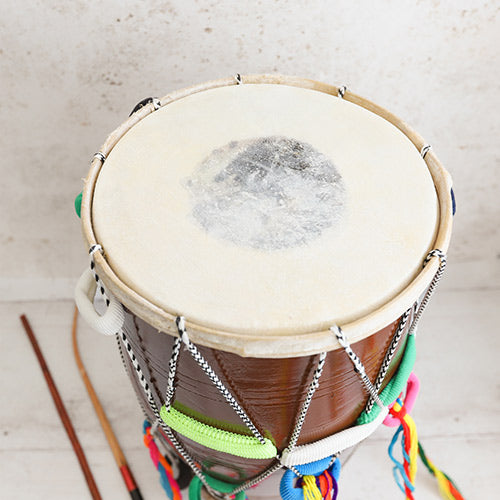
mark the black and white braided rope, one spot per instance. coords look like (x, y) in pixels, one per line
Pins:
(198, 357)
(256, 480)
(100, 286)
(128, 372)
(389, 355)
(432, 287)
(168, 431)
(140, 375)
(296, 432)
(172, 370)
(154, 408)
(307, 401)
(359, 368)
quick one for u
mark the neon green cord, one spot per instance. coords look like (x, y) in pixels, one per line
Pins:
(396, 384)
(218, 439)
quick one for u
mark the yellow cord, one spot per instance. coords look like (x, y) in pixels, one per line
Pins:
(311, 490)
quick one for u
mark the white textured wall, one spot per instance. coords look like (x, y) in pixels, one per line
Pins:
(71, 71)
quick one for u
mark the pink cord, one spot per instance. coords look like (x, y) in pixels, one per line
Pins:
(412, 388)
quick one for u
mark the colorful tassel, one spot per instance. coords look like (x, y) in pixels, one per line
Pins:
(321, 487)
(310, 488)
(316, 483)
(409, 441)
(167, 480)
(406, 471)
(447, 487)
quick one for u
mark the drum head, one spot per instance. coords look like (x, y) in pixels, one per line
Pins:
(265, 209)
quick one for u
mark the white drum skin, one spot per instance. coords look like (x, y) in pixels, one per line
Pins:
(362, 271)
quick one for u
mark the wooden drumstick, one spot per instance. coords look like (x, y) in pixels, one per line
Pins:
(63, 414)
(120, 460)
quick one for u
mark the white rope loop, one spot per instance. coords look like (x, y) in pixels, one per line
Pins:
(112, 320)
(333, 444)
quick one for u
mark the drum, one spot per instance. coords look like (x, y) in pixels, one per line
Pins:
(265, 246)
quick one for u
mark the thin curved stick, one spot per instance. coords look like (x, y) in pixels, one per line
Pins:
(105, 424)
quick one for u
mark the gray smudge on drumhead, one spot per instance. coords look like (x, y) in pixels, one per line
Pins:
(267, 193)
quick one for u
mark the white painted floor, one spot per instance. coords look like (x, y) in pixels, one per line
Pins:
(457, 412)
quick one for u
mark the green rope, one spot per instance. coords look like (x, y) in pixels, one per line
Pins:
(218, 485)
(396, 384)
(78, 204)
(218, 439)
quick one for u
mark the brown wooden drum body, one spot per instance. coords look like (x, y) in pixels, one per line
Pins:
(269, 390)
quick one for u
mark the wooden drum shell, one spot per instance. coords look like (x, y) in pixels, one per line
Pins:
(269, 390)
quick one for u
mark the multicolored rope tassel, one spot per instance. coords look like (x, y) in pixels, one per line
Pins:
(167, 480)
(447, 487)
(318, 481)
(322, 487)
(405, 472)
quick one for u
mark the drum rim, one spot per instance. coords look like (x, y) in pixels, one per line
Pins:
(272, 345)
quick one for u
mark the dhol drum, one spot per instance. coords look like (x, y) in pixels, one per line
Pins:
(266, 246)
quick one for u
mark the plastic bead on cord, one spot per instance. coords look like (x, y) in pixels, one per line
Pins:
(318, 481)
